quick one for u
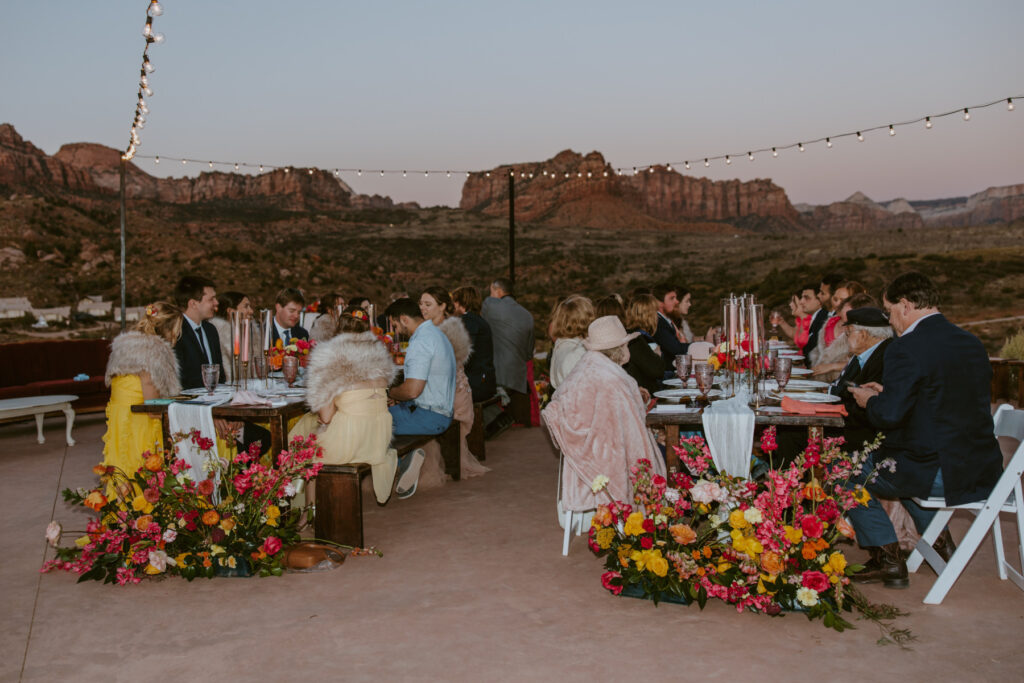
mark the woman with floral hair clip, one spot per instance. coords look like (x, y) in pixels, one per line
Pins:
(142, 365)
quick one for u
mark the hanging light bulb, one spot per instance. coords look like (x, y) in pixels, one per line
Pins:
(800, 146)
(892, 131)
(359, 172)
(143, 81)
(467, 174)
(828, 142)
(529, 175)
(650, 169)
(487, 175)
(686, 165)
(148, 91)
(158, 38)
(566, 174)
(382, 174)
(579, 174)
(146, 65)
(706, 163)
(211, 164)
(967, 114)
(606, 174)
(236, 166)
(590, 174)
(1009, 104)
(727, 160)
(860, 138)
(157, 159)
(336, 173)
(426, 174)
(287, 170)
(155, 10)
(261, 168)
(775, 152)
(147, 30)
(403, 174)
(750, 156)
(184, 161)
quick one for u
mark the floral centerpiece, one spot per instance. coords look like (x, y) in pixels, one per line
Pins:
(296, 347)
(765, 545)
(164, 519)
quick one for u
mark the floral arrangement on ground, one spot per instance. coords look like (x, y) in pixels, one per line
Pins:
(767, 545)
(234, 517)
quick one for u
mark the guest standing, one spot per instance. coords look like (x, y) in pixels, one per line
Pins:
(512, 329)
(479, 366)
(567, 327)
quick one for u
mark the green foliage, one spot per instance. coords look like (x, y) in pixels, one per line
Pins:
(1014, 347)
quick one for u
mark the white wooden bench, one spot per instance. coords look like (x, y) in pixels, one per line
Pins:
(39, 406)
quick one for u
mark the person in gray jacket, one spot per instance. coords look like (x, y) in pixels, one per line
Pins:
(512, 330)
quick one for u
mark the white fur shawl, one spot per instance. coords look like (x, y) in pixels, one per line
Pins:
(135, 352)
(455, 330)
(338, 364)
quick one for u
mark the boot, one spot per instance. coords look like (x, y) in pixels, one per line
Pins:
(886, 565)
(944, 545)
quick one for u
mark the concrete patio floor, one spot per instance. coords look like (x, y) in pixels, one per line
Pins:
(472, 586)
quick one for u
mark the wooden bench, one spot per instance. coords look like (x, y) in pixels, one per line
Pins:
(448, 440)
(476, 440)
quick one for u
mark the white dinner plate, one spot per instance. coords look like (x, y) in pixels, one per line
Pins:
(805, 385)
(810, 397)
(676, 382)
(800, 371)
(678, 394)
(794, 356)
(201, 391)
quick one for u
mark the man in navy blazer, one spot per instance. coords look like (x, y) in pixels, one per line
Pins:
(666, 334)
(933, 406)
(287, 311)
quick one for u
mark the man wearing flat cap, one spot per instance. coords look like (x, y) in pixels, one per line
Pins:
(868, 334)
(933, 405)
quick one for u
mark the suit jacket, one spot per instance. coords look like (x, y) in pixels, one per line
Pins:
(512, 334)
(297, 332)
(480, 365)
(670, 345)
(817, 323)
(191, 357)
(645, 366)
(858, 428)
(935, 412)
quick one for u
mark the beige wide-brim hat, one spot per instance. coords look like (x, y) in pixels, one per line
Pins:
(607, 333)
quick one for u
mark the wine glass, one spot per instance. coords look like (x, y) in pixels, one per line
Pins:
(683, 363)
(259, 367)
(290, 369)
(211, 375)
(775, 318)
(783, 368)
(705, 375)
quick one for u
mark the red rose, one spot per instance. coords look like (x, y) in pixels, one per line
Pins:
(272, 545)
(815, 581)
(828, 511)
(649, 525)
(205, 487)
(151, 495)
(606, 581)
(811, 526)
(646, 542)
(658, 481)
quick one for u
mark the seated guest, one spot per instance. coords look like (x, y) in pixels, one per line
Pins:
(512, 332)
(480, 365)
(826, 290)
(933, 405)
(425, 400)
(833, 328)
(347, 381)
(611, 305)
(682, 326)
(597, 418)
(228, 303)
(287, 310)
(867, 334)
(142, 365)
(800, 329)
(567, 327)
(810, 305)
(326, 324)
(645, 364)
(834, 358)
(666, 334)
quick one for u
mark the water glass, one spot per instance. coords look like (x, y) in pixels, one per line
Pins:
(783, 369)
(290, 369)
(211, 375)
(705, 375)
(683, 363)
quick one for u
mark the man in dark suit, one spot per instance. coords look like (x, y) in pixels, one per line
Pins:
(287, 311)
(868, 334)
(512, 336)
(666, 335)
(934, 407)
(810, 304)
(479, 366)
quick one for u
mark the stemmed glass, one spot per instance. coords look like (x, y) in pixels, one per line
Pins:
(290, 369)
(705, 375)
(682, 364)
(775, 318)
(211, 375)
(783, 368)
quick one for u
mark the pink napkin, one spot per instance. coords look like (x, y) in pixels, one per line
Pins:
(791, 405)
(249, 398)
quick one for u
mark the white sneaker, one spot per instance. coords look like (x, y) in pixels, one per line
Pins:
(410, 477)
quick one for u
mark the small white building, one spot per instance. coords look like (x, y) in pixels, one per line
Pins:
(14, 307)
(131, 313)
(52, 315)
(95, 306)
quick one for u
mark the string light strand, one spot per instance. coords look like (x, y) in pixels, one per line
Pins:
(153, 10)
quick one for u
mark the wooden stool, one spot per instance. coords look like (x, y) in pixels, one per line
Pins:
(339, 503)
(477, 437)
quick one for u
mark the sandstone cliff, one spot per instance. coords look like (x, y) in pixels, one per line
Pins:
(996, 204)
(859, 213)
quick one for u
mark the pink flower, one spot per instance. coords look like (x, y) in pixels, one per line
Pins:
(706, 492)
(828, 511)
(606, 581)
(272, 545)
(816, 581)
(53, 532)
(205, 487)
(151, 495)
(811, 526)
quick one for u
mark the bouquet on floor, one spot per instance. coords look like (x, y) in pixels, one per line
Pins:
(766, 545)
(234, 517)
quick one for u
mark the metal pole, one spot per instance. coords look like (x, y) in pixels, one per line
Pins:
(512, 228)
(124, 287)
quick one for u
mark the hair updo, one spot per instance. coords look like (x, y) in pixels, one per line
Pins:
(161, 318)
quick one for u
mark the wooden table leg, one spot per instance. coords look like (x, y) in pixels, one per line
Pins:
(276, 436)
(165, 422)
(671, 439)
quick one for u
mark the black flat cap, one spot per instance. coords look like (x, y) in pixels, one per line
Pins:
(868, 316)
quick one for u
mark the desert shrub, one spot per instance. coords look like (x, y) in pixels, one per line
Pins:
(1014, 347)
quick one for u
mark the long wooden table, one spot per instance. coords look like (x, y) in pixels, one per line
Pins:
(278, 418)
(673, 421)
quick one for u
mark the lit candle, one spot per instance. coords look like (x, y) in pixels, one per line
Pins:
(234, 331)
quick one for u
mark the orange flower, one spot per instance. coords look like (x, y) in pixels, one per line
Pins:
(808, 552)
(95, 500)
(771, 562)
(814, 492)
(211, 517)
(602, 516)
(707, 551)
(154, 462)
(143, 522)
(701, 571)
(845, 528)
(682, 534)
(99, 470)
(207, 563)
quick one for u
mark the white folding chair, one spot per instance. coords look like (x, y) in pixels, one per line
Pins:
(699, 351)
(568, 519)
(1005, 497)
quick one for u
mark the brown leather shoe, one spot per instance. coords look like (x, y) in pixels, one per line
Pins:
(944, 545)
(886, 565)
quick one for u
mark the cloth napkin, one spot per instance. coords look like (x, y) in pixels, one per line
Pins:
(791, 405)
(249, 398)
(672, 408)
(729, 428)
(183, 418)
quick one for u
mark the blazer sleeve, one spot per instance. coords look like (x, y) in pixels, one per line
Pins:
(669, 343)
(644, 360)
(902, 378)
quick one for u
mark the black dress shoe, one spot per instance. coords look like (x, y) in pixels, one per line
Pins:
(886, 565)
(944, 545)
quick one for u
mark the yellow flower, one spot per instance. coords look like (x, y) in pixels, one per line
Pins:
(737, 520)
(659, 565)
(793, 535)
(180, 559)
(766, 584)
(650, 560)
(227, 524)
(713, 361)
(604, 537)
(723, 567)
(140, 504)
(151, 570)
(862, 496)
(836, 563)
(81, 541)
(216, 549)
(634, 524)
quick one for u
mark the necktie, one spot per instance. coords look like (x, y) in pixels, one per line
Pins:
(202, 344)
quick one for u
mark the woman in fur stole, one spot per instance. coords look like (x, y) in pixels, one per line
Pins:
(437, 307)
(142, 365)
(346, 387)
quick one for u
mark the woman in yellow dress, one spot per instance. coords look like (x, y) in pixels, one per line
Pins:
(142, 366)
(346, 387)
